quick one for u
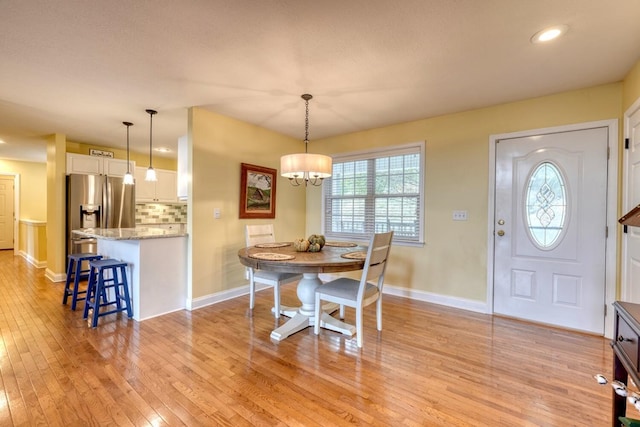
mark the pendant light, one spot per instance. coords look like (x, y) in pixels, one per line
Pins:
(128, 178)
(151, 173)
(305, 167)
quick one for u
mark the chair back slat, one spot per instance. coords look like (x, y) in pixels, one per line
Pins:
(262, 233)
(376, 262)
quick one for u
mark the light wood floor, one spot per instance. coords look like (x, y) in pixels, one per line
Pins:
(431, 366)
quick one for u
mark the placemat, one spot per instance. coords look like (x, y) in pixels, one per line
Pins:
(355, 255)
(341, 244)
(272, 245)
(270, 256)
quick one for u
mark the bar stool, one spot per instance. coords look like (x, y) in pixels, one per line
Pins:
(76, 274)
(102, 277)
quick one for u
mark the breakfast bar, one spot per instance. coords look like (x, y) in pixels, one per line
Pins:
(157, 261)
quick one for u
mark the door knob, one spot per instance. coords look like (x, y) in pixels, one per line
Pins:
(500, 233)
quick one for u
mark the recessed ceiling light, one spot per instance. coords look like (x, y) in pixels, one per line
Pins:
(549, 34)
(2, 141)
(162, 150)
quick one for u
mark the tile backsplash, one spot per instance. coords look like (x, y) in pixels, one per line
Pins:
(161, 213)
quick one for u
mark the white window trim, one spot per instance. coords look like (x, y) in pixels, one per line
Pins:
(387, 152)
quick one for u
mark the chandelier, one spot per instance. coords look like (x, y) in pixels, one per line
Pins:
(305, 167)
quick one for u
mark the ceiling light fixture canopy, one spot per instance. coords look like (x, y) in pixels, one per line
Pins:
(305, 167)
(128, 178)
(151, 173)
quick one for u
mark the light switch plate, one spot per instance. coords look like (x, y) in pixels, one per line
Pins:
(216, 213)
(459, 215)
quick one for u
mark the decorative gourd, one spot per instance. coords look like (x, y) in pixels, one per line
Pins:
(301, 245)
(317, 238)
(315, 247)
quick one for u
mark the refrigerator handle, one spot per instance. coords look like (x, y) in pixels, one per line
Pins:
(105, 204)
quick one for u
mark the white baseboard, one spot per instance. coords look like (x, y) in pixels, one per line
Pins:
(454, 302)
(31, 260)
(210, 299)
(449, 301)
(54, 277)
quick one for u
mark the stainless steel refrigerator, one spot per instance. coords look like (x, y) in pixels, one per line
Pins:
(97, 201)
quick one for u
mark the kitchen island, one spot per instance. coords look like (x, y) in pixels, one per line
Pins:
(157, 259)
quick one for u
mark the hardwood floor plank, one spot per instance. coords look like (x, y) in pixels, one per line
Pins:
(430, 366)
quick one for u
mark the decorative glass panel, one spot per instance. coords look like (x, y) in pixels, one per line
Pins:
(546, 205)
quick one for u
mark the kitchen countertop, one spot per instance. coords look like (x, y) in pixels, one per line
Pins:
(137, 233)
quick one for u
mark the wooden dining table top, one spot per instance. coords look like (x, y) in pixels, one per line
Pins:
(329, 260)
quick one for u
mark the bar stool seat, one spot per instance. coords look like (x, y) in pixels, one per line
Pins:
(76, 274)
(106, 275)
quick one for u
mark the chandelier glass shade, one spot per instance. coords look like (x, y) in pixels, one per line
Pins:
(304, 167)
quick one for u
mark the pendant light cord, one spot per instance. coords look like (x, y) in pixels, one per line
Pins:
(151, 113)
(150, 138)
(128, 125)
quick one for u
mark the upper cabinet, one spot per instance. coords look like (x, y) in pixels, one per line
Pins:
(165, 189)
(94, 165)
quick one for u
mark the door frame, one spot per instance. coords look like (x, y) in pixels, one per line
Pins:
(624, 288)
(16, 210)
(612, 207)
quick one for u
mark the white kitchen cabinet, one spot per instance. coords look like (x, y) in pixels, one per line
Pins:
(95, 165)
(165, 189)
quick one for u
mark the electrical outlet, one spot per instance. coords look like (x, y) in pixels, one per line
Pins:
(216, 213)
(459, 215)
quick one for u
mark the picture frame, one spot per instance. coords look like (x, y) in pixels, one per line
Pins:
(257, 191)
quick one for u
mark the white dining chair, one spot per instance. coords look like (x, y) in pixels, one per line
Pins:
(256, 234)
(359, 293)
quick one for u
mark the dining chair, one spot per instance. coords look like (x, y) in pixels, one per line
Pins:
(263, 233)
(359, 293)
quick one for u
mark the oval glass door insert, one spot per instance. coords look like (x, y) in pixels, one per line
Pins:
(546, 205)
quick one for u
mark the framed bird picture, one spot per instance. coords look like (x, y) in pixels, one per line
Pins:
(257, 191)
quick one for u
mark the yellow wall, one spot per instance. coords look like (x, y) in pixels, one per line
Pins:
(631, 87)
(56, 208)
(33, 187)
(33, 242)
(219, 145)
(454, 260)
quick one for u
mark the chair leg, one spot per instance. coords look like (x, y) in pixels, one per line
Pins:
(276, 300)
(379, 312)
(67, 285)
(359, 326)
(316, 315)
(252, 290)
(76, 284)
(341, 311)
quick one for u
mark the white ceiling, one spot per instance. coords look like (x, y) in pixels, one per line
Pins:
(81, 68)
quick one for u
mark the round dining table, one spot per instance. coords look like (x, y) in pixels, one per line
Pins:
(335, 257)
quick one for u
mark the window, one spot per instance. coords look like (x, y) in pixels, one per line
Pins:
(374, 192)
(546, 205)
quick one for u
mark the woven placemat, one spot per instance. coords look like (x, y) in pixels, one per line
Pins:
(341, 244)
(270, 256)
(272, 245)
(355, 255)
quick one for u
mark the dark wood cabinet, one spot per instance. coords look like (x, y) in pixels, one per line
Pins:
(625, 351)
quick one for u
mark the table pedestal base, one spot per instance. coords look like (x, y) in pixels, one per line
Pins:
(303, 317)
(300, 321)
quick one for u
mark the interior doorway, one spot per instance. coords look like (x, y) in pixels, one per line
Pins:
(552, 204)
(7, 212)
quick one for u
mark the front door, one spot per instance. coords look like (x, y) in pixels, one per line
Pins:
(6, 212)
(550, 228)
